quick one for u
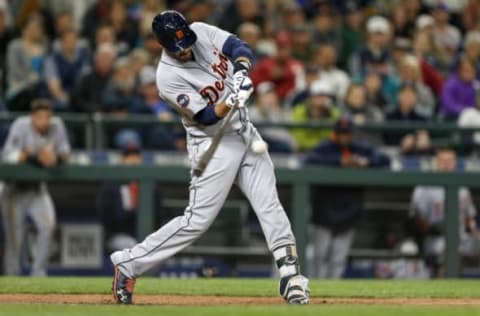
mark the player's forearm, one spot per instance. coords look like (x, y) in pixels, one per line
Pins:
(221, 110)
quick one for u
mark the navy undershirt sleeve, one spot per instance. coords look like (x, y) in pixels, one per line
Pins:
(207, 116)
(234, 48)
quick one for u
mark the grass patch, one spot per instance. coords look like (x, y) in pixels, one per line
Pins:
(330, 310)
(246, 287)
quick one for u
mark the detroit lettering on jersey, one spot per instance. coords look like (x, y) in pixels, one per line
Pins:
(211, 92)
(207, 80)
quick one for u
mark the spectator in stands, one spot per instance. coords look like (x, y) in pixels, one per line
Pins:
(153, 48)
(138, 59)
(410, 143)
(239, 11)
(374, 56)
(105, 34)
(461, 90)
(303, 48)
(6, 35)
(471, 15)
(267, 108)
(118, 201)
(447, 36)
(63, 22)
(326, 61)
(149, 8)
(284, 71)
(250, 34)
(87, 96)
(325, 28)
(199, 10)
(422, 51)
(375, 96)
(120, 91)
(410, 73)
(402, 27)
(125, 28)
(351, 32)
(148, 100)
(334, 218)
(319, 107)
(63, 68)
(98, 14)
(428, 210)
(25, 58)
(471, 50)
(355, 106)
(292, 14)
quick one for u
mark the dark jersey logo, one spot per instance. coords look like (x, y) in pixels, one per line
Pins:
(183, 100)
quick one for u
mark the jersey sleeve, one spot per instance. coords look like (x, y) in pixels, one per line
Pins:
(62, 144)
(418, 204)
(466, 203)
(15, 142)
(217, 36)
(182, 97)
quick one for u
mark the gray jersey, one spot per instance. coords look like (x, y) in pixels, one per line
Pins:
(205, 81)
(23, 136)
(428, 202)
(26, 200)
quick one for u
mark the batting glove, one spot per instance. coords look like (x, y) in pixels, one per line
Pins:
(243, 86)
(231, 100)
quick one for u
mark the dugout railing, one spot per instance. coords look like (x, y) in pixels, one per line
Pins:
(95, 127)
(300, 180)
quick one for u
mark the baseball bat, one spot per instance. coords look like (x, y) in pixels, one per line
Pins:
(208, 154)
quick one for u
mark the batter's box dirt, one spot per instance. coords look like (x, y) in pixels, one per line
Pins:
(182, 300)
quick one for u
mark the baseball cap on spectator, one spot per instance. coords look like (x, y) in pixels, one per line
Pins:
(472, 37)
(343, 125)
(378, 24)
(290, 6)
(423, 21)
(147, 75)
(322, 87)
(283, 39)
(128, 141)
(350, 7)
(441, 6)
(265, 87)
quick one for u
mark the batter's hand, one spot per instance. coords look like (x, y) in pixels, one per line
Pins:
(243, 86)
(231, 100)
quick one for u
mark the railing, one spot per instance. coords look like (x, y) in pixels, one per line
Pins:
(300, 181)
(95, 126)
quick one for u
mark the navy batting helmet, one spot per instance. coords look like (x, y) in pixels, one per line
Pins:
(172, 31)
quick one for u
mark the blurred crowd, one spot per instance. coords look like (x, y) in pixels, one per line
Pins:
(316, 60)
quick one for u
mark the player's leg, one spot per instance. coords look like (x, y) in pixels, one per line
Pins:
(207, 195)
(42, 212)
(13, 211)
(341, 245)
(256, 179)
(322, 241)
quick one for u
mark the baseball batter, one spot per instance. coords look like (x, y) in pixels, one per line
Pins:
(203, 72)
(41, 140)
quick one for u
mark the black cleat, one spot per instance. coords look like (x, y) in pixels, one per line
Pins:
(122, 287)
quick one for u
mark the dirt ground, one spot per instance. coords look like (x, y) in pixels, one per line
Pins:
(180, 300)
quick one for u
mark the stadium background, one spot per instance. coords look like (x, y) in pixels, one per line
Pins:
(118, 111)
